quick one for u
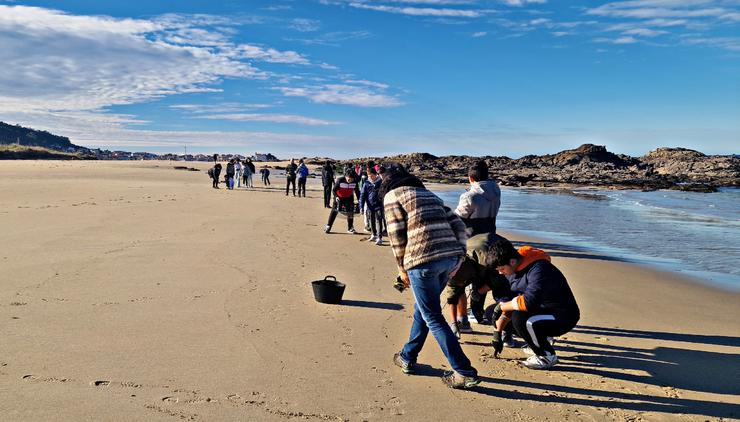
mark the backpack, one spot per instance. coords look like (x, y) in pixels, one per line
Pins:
(210, 172)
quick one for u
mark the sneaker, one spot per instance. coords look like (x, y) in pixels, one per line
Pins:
(379, 242)
(454, 380)
(465, 326)
(509, 340)
(540, 362)
(327, 229)
(352, 231)
(372, 238)
(455, 327)
(406, 367)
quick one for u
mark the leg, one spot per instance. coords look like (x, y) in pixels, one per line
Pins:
(332, 216)
(373, 226)
(287, 186)
(535, 329)
(427, 283)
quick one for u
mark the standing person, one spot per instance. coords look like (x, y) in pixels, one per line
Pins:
(371, 205)
(365, 172)
(428, 241)
(230, 174)
(290, 176)
(345, 191)
(327, 180)
(246, 174)
(216, 174)
(238, 172)
(545, 306)
(265, 172)
(302, 172)
(252, 171)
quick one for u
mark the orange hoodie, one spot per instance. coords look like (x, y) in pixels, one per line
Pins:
(529, 255)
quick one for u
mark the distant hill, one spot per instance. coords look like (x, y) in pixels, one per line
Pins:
(22, 152)
(14, 134)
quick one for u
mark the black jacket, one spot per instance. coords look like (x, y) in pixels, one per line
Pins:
(327, 175)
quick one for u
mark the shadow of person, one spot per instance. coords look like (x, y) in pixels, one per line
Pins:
(656, 335)
(570, 251)
(374, 305)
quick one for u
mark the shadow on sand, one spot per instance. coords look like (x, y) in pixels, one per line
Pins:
(570, 251)
(373, 305)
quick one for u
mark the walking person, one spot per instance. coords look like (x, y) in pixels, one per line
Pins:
(371, 205)
(230, 174)
(290, 174)
(302, 172)
(327, 181)
(246, 175)
(428, 241)
(238, 172)
(345, 191)
(216, 174)
(265, 172)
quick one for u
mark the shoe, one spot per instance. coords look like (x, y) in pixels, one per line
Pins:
(455, 327)
(372, 238)
(352, 231)
(509, 340)
(327, 229)
(465, 326)
(454, 380)
(379, 242)
(406, 367)
(540, 362)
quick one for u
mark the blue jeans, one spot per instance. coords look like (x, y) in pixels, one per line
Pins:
(427, 282)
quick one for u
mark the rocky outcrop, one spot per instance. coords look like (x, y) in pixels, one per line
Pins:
(587, 165)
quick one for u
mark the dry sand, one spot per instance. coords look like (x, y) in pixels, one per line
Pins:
(133, 291)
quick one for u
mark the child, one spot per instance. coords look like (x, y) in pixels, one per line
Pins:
(345, 191)
(370, 204)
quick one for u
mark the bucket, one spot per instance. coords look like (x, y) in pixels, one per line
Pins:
(328, 290)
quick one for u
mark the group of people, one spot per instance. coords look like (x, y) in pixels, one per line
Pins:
(238, 172)
(438, 250)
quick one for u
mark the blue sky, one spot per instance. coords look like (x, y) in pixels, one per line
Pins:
(349, 78)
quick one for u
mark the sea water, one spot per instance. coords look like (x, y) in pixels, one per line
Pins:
(696, 234)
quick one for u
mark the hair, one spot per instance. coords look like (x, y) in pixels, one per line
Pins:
(381, 169)
(371, 170)
(350, 173)
(501, 252)
(327, 163)
(478, 171)
(370, 164)
(301, 160)
(397, 176)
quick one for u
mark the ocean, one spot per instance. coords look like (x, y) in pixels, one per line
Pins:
(694, 234)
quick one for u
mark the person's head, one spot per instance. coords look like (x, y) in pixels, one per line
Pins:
(503, 257)
(300, 161)
(350, 175)
(370, 164)
(231, 161)
(372, 173)
(292, 161)
(381, 170)
(397, 176)
(327, 163)
(478, 172)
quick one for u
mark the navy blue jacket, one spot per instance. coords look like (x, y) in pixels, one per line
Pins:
(543, 288)
(369, 195)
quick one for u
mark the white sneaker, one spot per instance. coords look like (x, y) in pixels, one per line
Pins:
(372, 238)
(379, 242)
(540, 362)
(353, 231)
(527, 350)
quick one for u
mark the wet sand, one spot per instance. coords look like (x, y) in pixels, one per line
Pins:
(133, 291)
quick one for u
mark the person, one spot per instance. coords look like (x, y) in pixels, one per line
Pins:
(428, 242)
(345, 191)
(290, 176)
(545, 306)
(238, 172)
(370, 204)
(363, 180)
(252, 170)
(230, 174)
(216, 174)
(302, 172)
(479, 205)
(246, 174)
(265, 172)
(327, 181)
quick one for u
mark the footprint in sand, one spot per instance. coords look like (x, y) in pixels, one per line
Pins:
(100, 383)
(348, 349)
(170, 399)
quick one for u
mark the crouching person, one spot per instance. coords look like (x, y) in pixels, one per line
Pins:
(428, 241)
(545, 305)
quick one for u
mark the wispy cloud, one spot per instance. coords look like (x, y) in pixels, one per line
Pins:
(420, 11)
(268, 117)
(519, 3)
(342, 93)
(479, 34)
(305, 25)
(333, 39)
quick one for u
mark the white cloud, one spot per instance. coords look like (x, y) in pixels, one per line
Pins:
(361, 96)
(219, 108)
(644, 32)
(272, 118)
(421, 11)
(479, 34)
(519, 3)
(271, 55)
(305, 25)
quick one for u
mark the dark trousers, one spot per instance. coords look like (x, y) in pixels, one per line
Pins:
(327, 195)
(266, 180)
(302, 186)
(535, 328)
(291, 180)
(215, 179)
(343, 205)
(376, 222)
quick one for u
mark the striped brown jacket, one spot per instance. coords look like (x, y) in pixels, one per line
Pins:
(420, 228)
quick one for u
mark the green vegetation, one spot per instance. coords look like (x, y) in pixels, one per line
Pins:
(23, 152)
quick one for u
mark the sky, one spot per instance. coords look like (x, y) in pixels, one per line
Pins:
(354, 78)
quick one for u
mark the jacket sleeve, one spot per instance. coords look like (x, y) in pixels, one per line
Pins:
(357, 190)
(363, 196)
(395, 218)
(532, 296)
(458, 227)
(336, 186)
(465, 206)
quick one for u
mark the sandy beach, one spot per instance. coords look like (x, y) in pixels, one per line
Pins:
(134, 291)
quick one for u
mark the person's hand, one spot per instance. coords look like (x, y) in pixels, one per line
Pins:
(405, 278)
(498, 343)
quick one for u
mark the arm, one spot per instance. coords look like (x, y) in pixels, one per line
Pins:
(363, 197)
(465, 206)
(395, 218)
(532, 296)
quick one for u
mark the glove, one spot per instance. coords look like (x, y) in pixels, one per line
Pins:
(496, 313)
(498, 343)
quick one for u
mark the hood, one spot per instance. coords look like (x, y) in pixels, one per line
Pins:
(530, 255)
(488, 188)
